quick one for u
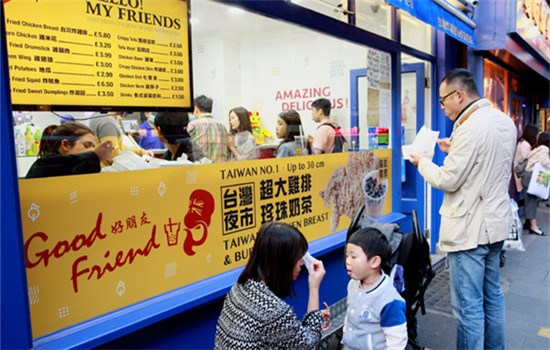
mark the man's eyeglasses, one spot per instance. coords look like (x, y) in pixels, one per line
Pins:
(442, 99)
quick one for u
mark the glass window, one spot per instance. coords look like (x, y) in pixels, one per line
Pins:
(415, 33)
(269, 66)
(331, 8)
(495, 84)
(373, 16)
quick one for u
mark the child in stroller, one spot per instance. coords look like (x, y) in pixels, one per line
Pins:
(409, 265)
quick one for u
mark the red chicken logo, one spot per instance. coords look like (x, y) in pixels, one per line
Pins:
(197, 219)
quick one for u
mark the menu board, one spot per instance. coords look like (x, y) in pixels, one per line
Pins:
(99, 53)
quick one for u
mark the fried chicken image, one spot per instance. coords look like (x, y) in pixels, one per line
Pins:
(344, 188)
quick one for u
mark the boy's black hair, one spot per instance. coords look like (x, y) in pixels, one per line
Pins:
(373, 242)
(172, 125)
(323, 104)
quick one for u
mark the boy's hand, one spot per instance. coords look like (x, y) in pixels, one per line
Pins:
(326, 316)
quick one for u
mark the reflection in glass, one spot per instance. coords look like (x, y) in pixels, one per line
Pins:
(373, 16)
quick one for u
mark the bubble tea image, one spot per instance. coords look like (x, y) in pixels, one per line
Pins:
(375, 190)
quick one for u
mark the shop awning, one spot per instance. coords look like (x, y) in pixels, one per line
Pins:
(437, 13)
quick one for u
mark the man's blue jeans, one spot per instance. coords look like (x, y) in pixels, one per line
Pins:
(476, 297)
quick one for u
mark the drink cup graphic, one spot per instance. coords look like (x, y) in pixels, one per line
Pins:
(375, 190)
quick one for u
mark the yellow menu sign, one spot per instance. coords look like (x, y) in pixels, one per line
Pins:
(97, 243)
(99, 53)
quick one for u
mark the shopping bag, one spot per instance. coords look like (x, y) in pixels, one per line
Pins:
(514, 236)
(539, 185)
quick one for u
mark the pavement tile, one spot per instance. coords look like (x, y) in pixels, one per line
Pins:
(525, 275)
(514, 339)
(536, 343)
(535, 309)
(540, 293)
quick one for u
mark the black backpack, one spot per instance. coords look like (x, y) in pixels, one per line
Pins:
(340, 142)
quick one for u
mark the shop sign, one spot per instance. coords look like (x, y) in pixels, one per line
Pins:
(434, 15)
(97, 53)
(98, 243)
(533, 25)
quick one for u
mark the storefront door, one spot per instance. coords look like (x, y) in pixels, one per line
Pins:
(412, 119)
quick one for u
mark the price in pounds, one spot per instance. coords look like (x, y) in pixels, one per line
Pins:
(177, 80)
(102, 64)
(102, 45)
(105, 83)
(178, 97)
(176, 45)
(103, 35)
(105, 93)
(176, 62)
(176, 53)
(103, 74)
(176, 71)
(178, 88)
(103, 54)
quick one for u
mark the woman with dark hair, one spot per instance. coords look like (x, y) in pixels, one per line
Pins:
(526, 142)
(172, 130)
(288, 126)
(69, 149)
(241, 141)
(254, 314)
(541, 153)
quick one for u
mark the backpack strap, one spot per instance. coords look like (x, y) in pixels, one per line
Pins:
(328, 124)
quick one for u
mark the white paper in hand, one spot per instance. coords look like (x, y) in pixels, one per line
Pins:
(423, 144)
(308, 260)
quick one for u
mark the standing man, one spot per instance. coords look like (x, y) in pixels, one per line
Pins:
(208, 133)
(323, 141)
(476, 213)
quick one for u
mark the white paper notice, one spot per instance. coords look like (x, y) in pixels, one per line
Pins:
(423, 144)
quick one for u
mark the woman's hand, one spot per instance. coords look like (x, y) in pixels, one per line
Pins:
(316, 274)
(103, 150)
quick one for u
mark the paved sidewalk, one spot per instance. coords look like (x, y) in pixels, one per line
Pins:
(525, 280)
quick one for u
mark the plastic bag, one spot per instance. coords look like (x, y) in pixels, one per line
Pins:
(514, 236)
(539, 184)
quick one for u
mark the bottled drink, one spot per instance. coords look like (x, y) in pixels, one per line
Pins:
(29, 142)
(19, 141)
(37, 137)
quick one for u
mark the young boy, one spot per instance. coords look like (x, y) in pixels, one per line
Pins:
(375, 317)
(323, 141)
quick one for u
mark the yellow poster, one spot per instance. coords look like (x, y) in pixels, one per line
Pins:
(99, 53)
(97, 243)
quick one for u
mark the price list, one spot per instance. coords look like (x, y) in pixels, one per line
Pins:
(98, 60)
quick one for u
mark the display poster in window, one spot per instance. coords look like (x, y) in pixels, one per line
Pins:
(99, 53)
(97, 243)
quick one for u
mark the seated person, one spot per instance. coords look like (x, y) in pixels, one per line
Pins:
(148, 137)
(171, 129)
(69, 149)
(241, 142)
(107, 128)
(288, 126)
